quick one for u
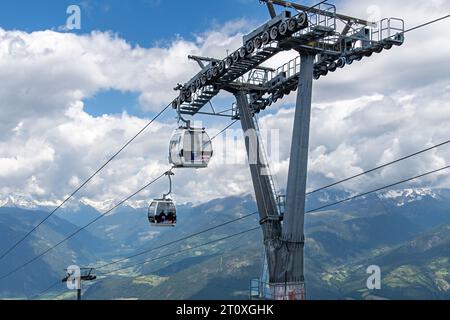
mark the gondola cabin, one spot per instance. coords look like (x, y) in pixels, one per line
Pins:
(190, 148)
(162, 213)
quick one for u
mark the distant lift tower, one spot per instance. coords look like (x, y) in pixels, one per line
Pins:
(77, 278)
(326, 41)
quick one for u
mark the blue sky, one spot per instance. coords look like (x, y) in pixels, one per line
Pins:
(139, 21)
(144, 22)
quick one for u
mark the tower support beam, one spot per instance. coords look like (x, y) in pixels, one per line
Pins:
(284, 254)
(285, 243)
(265, 198)
(294, 218)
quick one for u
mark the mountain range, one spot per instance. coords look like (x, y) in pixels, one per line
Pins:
(405, 232)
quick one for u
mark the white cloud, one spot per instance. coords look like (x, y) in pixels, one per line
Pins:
(352, 136)
(71, 67)
(50, 144)
(364, 115)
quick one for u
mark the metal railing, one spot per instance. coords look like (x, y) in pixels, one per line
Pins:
(390, 27)
(325, 17)
(261, 290)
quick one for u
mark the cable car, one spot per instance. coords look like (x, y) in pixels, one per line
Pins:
(190, 148)
(163, 212)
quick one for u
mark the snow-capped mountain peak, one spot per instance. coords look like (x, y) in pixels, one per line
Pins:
(103, 206)
(27, 202)
(404, 196)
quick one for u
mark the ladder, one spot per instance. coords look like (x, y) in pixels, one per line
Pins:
(265, 160)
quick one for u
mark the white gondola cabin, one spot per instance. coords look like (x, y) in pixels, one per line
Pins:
(162, 213)
(190, 148)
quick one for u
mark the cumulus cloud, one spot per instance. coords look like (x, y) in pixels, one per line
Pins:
(351, 136)
(364, 115)
(71, 68)
(49, 144)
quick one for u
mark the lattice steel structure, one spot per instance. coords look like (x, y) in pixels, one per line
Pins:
(326, 41)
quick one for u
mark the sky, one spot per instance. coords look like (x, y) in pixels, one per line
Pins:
(70, 99)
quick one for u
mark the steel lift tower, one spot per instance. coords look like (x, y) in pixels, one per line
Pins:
(326, 41)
